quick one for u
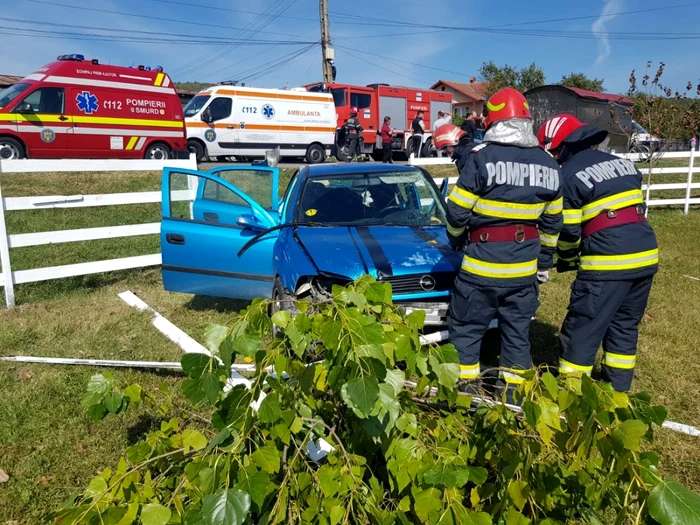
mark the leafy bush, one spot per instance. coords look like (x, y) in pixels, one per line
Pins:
(333, 384)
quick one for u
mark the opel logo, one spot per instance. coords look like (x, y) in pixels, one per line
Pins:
(427, 283)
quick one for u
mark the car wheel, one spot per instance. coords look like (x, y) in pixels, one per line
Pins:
(426, 149)
(10, 149)
(343, 153)
(281, 300)
(315, 154)
(157, 151)
(195, 147)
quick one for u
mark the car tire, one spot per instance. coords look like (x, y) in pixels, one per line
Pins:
(425, 149)
(158, 151)
(11, 149)
(315, 154)
(342, 155)
(195, 147)
(281, 300)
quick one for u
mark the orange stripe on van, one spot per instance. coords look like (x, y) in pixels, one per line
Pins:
(278, 96)
(261, 127)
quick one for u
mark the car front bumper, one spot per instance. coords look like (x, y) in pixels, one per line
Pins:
(436, 314)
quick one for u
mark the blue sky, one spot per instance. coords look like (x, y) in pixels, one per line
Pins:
(357, 41)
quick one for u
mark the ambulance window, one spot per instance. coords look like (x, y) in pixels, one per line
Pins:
(46, 100)
(360, 100)
(220, 108)
(11, 93)
(196, 104)
(340, 97)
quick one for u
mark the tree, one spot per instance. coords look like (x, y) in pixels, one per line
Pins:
(522, 79)
(581, 81)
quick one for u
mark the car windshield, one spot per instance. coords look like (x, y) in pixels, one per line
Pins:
(392, 198)
(638, 128)
(195, 105)
(11, 93)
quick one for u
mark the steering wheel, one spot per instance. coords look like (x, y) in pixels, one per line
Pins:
(389, 210)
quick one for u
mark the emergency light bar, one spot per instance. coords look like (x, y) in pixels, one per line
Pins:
(74, 56)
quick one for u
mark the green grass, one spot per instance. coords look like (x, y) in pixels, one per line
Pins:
(45, 432)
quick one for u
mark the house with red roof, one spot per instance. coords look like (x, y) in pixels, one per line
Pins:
(466, 98)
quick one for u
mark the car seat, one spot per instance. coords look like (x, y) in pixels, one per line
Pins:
(339, 205)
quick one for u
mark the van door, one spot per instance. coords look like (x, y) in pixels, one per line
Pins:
(206, 221)
(220, 133)
(43, 123)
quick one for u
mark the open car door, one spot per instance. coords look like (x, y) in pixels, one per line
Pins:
(207, 219)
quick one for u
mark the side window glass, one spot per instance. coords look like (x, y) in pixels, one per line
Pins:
(360, 100)
(216, 203)
(46, 100)
(220, 108)
(257, 184)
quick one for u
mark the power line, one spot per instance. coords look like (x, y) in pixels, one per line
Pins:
(384, 68)
(228, 9)
(147, 17)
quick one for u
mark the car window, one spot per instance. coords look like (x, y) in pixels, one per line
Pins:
(220, 108)
(11, 93)
(216, 203)
(340, 97)
(290, 188)
(46, 100)
(360, 100)
(194, 105)
(386, 198)
(257, 184)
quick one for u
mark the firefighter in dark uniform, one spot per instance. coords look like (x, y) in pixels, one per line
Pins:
(607, 238)
(507, 205)
(455, 142)
(353, 132)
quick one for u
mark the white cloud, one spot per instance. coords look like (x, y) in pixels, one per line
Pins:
(609, 8)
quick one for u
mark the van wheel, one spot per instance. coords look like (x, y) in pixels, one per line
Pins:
(157, 151)
(315, 154)
(10, 149)
(195, 147)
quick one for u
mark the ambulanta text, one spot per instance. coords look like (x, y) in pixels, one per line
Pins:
(521, 174)
(609, 169)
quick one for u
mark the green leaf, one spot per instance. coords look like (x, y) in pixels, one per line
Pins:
(670, 503)
(206, 480)
(468, 517)
(447, 373)
(440, 476)
(549, 413)
(627, 435)
(589, 391)
(330, 333)
(138, 452)
(416, 319)
(256, 486)
(337, 514)
(427, 501)
(375, 351)
(396, 378)
(96, 488)
(226, 507)
(270, 411)
(97, 387)
(113, 402)
(519, 491)
(513, 517)
(550, 384)
(329, 479)
(282, 318)
(362, 394)
(214, 334)
(403, 346)
(267, 458)
(155, 514)
(193, 440)
(478, 475)
(355, 298)
(130, 514)
(247, 345)
(206, 387)
(96, 412)
(133, 393)
(532, 412)
(194, 365)
(194, 517)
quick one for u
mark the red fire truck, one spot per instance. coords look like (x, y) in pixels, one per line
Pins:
(376, 101)
(77, 108)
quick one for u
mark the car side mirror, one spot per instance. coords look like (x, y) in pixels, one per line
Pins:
(249, 221)
(206, 116)
(25, 107)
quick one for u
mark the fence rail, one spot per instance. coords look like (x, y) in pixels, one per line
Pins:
(9, 278)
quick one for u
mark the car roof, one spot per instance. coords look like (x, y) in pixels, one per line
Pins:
(346, 168)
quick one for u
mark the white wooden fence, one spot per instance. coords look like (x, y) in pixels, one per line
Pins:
(688, 186)
(9, 278)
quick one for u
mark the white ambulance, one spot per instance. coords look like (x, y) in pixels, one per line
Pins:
(233, 121)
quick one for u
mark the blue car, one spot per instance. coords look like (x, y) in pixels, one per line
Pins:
(225, 233)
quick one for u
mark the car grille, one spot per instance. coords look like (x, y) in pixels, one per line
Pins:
(406, 284)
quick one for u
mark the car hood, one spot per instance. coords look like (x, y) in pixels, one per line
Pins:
(382, 251)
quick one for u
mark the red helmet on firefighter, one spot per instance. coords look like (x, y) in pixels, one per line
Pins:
(504, 104)
(353, 110)
(556, 129)
(447, 135)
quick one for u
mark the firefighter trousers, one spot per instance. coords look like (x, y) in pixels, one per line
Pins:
(353, 148)
(471, 311)
(607, 312)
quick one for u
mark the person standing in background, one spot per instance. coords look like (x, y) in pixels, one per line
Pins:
(418, 128)
(468, 126)
(387, 133)
(443, 118)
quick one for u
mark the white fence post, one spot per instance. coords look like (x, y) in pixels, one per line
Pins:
(5, 255)
(691, 165)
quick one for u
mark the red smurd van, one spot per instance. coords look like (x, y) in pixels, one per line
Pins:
(77, 108)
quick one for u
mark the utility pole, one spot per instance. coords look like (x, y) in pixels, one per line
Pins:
(327, 52)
